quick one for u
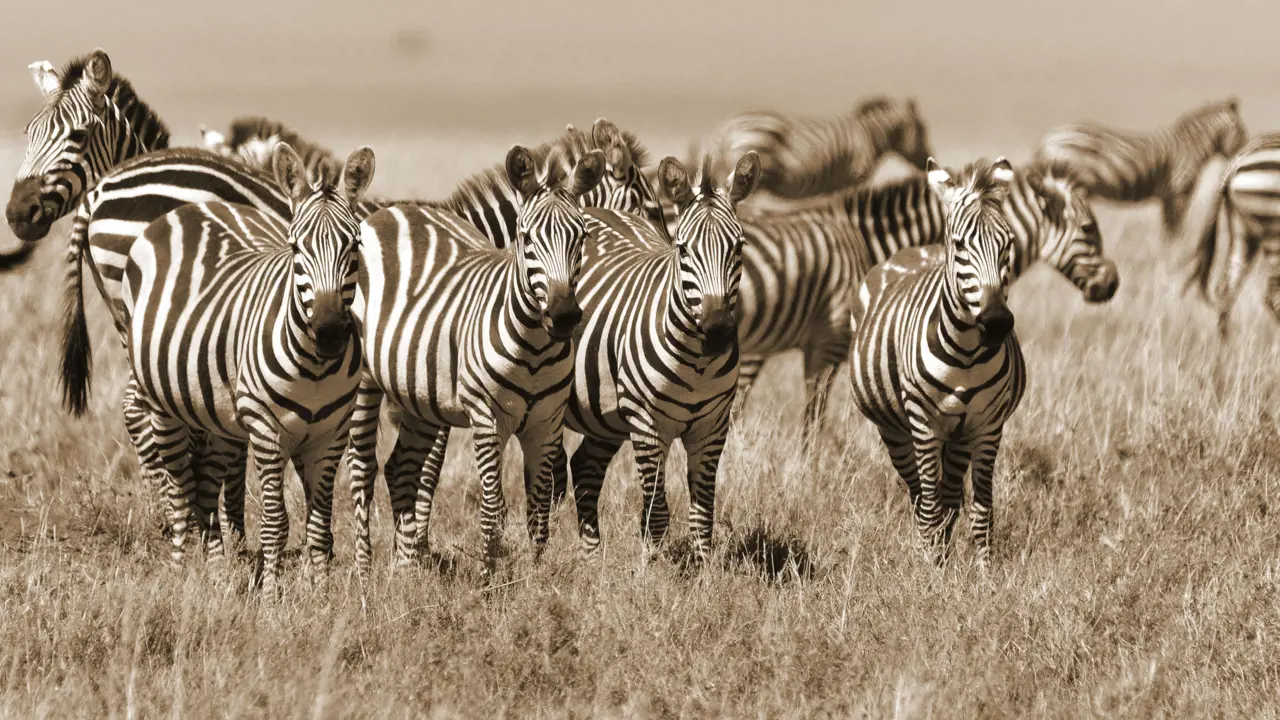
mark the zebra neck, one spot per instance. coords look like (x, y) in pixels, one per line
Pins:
(892, 217)
(679, 333)
(1029, 225)
(951, 328)
(520, 313)
(131, 128)
(875, 134)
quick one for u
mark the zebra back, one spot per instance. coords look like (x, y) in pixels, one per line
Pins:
(91, 120)
(252, 139)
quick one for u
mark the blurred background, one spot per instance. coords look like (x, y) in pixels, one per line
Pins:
(988, 73)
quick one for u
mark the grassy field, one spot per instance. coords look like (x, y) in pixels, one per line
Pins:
(1135, 567)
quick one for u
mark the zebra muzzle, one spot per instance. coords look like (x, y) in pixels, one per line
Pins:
(995, 320)
(562, 313)
(25, 211)
(1102, 286)
(718, 328)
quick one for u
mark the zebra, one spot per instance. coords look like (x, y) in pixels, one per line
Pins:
(800, 267)
(936, 366)
(252, 138)
(625, 187)
(462, 334)
(240, 326)
(1124, 166)
(656, 352)
(801, 157)
(91, 120)
(1245, 220)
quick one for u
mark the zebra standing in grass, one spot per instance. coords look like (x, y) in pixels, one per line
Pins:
(1125, 166)
(657, 348)
(1245, 220)
(801, 157)
(492, 207)
(91, 121)
(935, 363)
(253, 138)
(241, 327)
(462, 334)
(800, 268)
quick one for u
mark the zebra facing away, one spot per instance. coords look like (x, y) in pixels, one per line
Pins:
(1125, 166)
(253, 138)
(801, 157)
(462, 334)
(1246, 220)
(240, 326)
(935, 364)
(657, 349)
(800, 268)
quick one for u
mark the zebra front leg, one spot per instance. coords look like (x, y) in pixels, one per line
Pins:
(362, 465)
(588, 465)
(749, 367)
(929, 511)
(955, 464)
(269, 459)
(902, 453)
(540, 451)
(651, 466)
(317, 469)
(559, 474)
(704, 451)
(173, 450)
(981, 511)
(489, 442)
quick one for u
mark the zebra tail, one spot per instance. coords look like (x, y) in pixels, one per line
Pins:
(77, 355)
(1207, 247)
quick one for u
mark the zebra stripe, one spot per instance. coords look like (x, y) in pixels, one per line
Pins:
(935, 363)
(252, 139)
(802, 157)
(90, 122)
(656, 351)
(799, 267)
(462, 334)
(240, 327)
(1126, 166)
(1245, 220)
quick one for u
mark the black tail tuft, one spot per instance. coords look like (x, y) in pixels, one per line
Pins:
(77, 355)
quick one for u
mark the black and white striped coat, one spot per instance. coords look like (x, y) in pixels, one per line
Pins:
(935, 364)
(240, 327)
(462, 334)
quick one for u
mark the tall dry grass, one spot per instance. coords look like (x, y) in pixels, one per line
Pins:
(1135, 567)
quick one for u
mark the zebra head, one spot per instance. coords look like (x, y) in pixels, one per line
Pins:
(550, 231)
(979, 245)
(624, 187)
(1073, 243)
(708, 242)
(323, 238)
(1232, 134)
(62, 140)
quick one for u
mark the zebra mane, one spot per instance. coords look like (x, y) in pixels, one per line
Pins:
(977, 177)
(575, 143)
(119, 90)
(878, 104)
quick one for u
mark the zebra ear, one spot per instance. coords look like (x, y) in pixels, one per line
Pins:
(587, 174)
(97, 77)
(675, 182)
(1002, 171)
(937, 175)
(1233, 104)
(521, 171)
(604, 133)
(46, 76)
(618, 160)
(290, 173)
(357, 174)
(745, 177)
(212, 139)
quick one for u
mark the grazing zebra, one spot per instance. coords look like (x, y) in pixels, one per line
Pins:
(91, 121)
(1246, 219)
(657, 348)
(462, 334)
(252, 139)
(492, 207)
(799, 267)
(801, 157)
(240, 326)
(1125, 166)
(935, 363)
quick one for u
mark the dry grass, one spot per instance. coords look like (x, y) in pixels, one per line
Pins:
(1135, 570)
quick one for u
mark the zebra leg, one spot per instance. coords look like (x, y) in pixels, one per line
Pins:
(206, 466)
(588, 465)
(929, 512)
(317, 469)
(651, 466)
(981, 510)
(749, 367)
(955, 464)
(902, 453)
(234, 467)
(559, 474)
(424, 478)
(362, 465)
(704, 451)
(489, 442)
(137, 421)
(173, 448)
(403, 469)
(1173, 209)
(269, 459)
(539, 450)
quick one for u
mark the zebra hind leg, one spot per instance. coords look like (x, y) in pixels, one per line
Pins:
(651, 466)
(427, 477)
(588, 465)
(173, 446)
(749, 367)
(138, 423)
